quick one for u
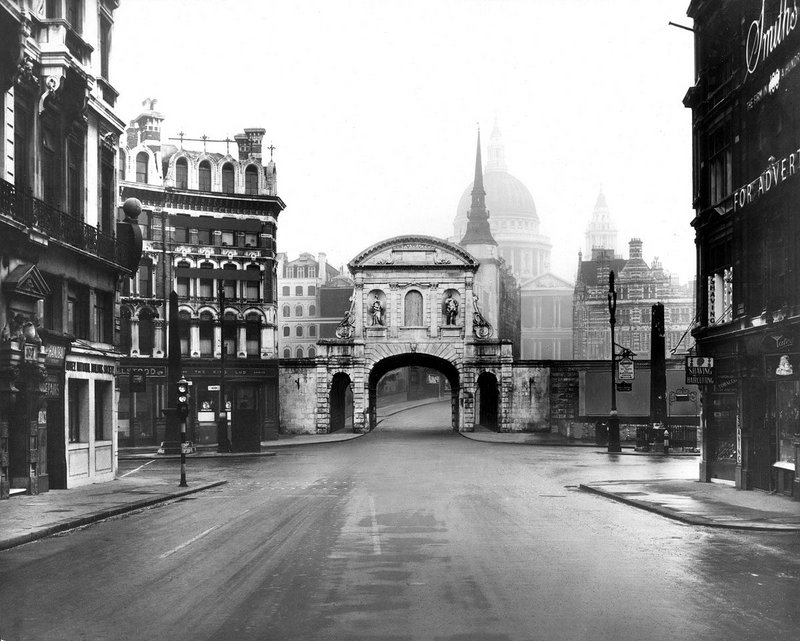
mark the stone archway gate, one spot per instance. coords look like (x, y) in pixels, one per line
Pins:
(413, 301)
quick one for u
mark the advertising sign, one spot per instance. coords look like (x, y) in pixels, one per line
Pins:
(625, 370)
(699, 370)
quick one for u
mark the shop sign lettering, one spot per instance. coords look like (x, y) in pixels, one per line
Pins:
(699, 370)
(763, 39)
(94, 368)
(777, 172)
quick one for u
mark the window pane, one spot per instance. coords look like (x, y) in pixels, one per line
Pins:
(205, 176)
(413, 309)
(227, 178)
(182, 174)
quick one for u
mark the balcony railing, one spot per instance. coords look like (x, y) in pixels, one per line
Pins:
(58, 225)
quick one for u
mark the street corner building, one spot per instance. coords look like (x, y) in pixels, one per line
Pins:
(63, 247)
(209, 227)
(746, 149)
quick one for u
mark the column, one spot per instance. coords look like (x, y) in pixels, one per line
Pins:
(134, 336)
(194, 339)
(241, 342)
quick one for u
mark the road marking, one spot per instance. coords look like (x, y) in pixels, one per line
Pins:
(137, 469)
(375, 533)
(189, 542)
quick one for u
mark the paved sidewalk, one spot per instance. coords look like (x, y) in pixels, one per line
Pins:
(27, 518)
(707, 504)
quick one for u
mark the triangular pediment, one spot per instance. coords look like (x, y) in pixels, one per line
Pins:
(405, 252)
(546, 281)
(27, 281)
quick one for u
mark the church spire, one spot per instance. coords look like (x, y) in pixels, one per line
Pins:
(478, 230)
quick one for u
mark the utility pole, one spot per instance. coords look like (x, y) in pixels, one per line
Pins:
(658, 374)
(613, 420)
(223, 443)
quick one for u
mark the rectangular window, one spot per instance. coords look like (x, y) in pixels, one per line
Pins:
(181, 235)
(104, 45)
(75, 15)
(100, 318)
(253, 339)
(720, 166)
(204, 236)
(145, 279)
(720, 297)
(227, 238)
(78, 409)
(183, 287)
(250, 240)
(206, 288)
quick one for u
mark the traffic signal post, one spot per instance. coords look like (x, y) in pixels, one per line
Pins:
(182, 409)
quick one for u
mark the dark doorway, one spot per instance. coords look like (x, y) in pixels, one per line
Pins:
(246, 428)
(340, 401)
(486, 401)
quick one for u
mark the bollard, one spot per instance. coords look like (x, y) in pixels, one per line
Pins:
(666, 441)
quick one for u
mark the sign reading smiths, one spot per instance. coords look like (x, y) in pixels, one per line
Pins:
(763, 39)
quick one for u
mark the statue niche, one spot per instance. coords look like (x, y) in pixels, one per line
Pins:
(451, 304)
(376, 301)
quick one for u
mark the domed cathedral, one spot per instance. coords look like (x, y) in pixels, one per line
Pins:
(513, 219)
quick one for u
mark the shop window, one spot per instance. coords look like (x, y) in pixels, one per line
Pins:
(181, 173)
(78, 410)
(413, 309)
(227, 178)
(103, 419)
(204, 172)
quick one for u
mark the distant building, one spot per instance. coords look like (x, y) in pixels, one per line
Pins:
(210, 225)
(639, 286)
(546, 307)
(299, 284)
(63, 249)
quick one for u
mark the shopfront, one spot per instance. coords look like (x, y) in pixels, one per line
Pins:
(782, 423)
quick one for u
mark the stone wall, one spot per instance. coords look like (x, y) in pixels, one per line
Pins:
(297, 389)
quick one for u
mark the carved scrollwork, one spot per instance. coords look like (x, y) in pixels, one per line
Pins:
(480, 326)
(346, 327)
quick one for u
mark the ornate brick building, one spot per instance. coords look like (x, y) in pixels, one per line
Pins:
(209, 222)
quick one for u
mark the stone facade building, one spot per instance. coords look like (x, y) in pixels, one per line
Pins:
(299, 287)
(63, 249)
(639, 286)
(209, 223)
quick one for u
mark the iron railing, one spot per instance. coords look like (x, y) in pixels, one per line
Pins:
(58, 225)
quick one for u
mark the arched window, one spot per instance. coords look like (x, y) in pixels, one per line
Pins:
(147, 331)
(312, 310)
(298, 331)
(298, 310)
(287, 353)
(413, 309)
(229, 283)
(121, 167)
(286, 290)
(299, 352)
(287, 331)
(254, 286)
(206, 285)
(206, 334)
(229, 332)
(251, 180)
(125, 330)
(227, 178)
(183, 281)
(141, 167)
(286, 311)
(253, 335)
(185, 323)
(312, 330)
(205, 176)
(312, 352)
(181, 173)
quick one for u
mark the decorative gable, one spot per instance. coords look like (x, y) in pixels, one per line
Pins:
(26, 281)
(414, 252)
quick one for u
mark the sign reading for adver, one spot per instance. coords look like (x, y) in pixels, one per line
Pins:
(699, 370)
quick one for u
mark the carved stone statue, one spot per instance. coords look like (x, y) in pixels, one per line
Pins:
(450, 310)
(377, 312)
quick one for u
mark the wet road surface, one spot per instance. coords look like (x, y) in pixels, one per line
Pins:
(411, 532)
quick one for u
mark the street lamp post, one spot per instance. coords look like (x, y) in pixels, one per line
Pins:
(613, 420)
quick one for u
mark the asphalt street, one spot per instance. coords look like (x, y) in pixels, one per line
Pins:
(411, 532)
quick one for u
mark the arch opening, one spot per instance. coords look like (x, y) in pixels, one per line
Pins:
(340, 402)
(486, 401)
(413, 378)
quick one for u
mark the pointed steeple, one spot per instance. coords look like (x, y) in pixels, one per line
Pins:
(478, 230)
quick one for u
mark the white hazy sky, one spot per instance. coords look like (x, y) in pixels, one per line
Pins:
(373, 106)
